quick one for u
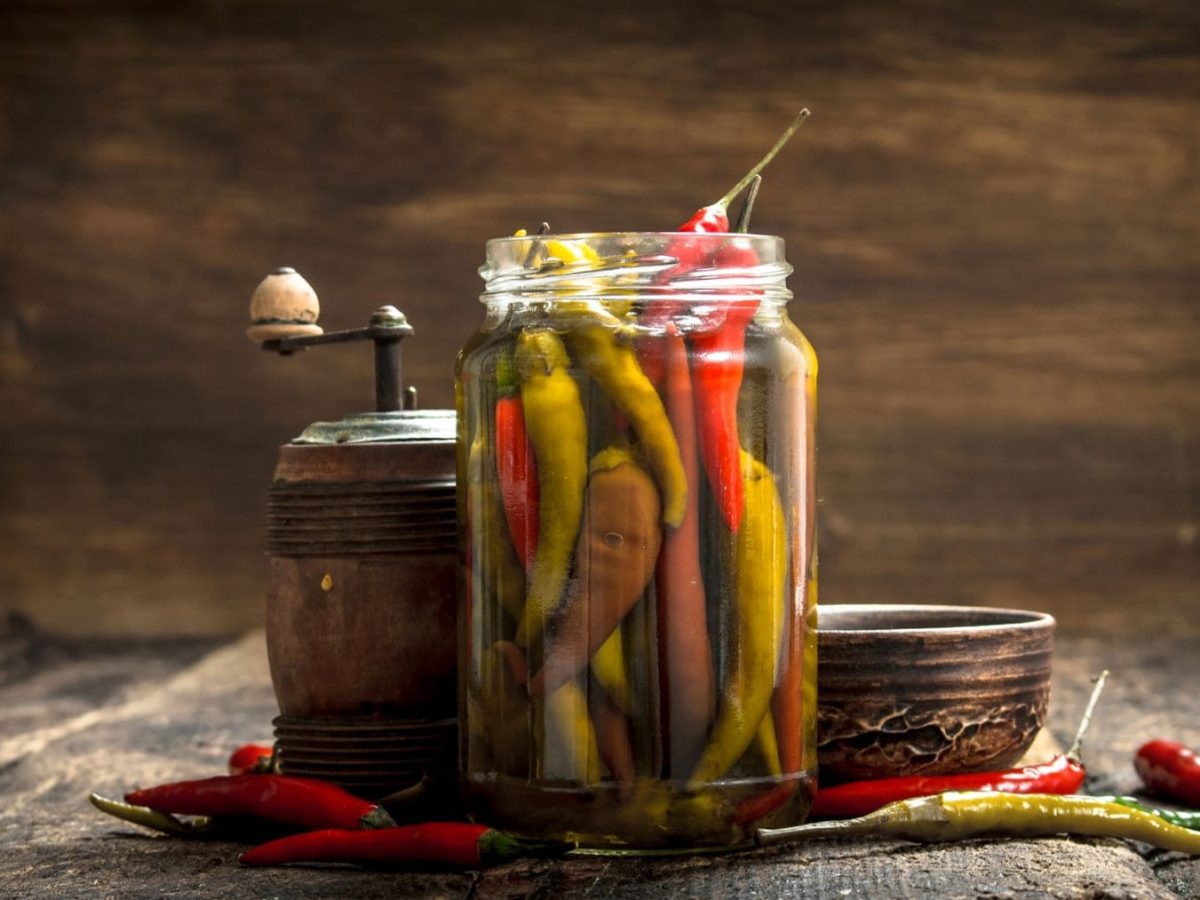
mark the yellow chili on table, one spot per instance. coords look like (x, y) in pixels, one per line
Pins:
(955, 816)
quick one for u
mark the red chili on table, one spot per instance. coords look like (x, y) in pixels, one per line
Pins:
(250, 758)
(304, 802)
(1170, 769)
(1062, 775)
(439, 843)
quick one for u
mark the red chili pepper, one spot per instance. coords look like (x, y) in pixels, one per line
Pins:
(717, 351)
(714, 218)
(761, 805)
(443, 843)
(717, 379)
(718, 364)
(517, 476)
(250, 758)
(304, 802)
(711, 219)
(1062, 775)
(688, 692)
(1170, 769)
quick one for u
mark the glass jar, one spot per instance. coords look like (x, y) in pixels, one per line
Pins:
(637, 610)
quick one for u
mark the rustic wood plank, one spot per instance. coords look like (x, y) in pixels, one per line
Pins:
(158, 711)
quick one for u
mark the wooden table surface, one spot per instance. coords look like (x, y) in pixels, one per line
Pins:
(76, 718)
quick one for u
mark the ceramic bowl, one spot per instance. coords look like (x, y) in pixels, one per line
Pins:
(907, 690)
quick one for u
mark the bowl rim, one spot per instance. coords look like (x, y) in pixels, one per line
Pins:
(1025, 619)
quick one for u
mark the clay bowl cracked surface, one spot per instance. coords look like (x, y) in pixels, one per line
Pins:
(927, 690)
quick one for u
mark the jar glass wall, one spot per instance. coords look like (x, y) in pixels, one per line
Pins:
(636, 515)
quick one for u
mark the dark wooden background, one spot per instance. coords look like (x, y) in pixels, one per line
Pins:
(994, 214)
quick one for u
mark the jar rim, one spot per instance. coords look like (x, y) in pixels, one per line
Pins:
(686, 266)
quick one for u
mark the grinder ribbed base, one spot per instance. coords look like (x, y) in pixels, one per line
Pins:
(371, 758)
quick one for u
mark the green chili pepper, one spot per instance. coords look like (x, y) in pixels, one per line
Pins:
(608, 667)
(760, 560)
(554, 420)
(957, 816)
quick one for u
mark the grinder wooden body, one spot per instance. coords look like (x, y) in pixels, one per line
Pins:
(361, 603)
(360, 609)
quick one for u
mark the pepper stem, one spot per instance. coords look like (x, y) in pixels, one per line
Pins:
(498, 847)
(743, 219)
(536, 245)
(377, 818)
(1073, 752)
(408, 795)
(762, 163)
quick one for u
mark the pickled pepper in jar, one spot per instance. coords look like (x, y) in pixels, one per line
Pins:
(645, 678)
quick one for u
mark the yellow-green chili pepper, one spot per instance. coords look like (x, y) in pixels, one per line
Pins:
(610, 360)
(566, 737)
(656, 810)
(152, 819)
(760, 560)
(768, 745)
(954, 816)
(557, 429)
(608, 665)
(554, 420)
(580, 254)
(571, 252)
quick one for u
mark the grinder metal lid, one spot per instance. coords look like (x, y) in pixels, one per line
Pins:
(398, 426)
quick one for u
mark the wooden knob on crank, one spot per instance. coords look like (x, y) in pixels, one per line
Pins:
(283, 305)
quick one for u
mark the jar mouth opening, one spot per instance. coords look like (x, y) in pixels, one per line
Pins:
(642, 263)
(714, 237)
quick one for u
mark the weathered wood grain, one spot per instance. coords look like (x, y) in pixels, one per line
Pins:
(105, 724)
(994, 216)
